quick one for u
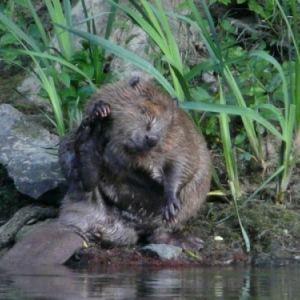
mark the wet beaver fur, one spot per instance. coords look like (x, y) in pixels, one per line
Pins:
(136, 166)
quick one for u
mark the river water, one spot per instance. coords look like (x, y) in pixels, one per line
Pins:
(151, 283)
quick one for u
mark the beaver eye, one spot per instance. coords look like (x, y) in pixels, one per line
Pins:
(142, 110)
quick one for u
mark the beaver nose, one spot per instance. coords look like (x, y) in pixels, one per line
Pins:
(151, 140)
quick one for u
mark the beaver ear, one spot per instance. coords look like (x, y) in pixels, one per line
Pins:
(175, 102)
(134, 81)
(172, 104)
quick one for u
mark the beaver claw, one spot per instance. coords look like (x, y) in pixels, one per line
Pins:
(101, 110)
(171, 209)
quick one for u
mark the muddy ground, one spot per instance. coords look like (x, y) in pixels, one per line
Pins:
(274, 233)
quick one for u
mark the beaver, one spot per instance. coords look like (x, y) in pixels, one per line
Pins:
(136, 166)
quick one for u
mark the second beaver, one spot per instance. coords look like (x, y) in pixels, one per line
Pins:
(136, 166)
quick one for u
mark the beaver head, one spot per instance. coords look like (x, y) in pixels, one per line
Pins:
(140, 115)
(144, 123)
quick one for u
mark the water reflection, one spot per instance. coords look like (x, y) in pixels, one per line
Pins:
(149, 283)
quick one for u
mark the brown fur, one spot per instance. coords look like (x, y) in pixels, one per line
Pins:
(137, 165)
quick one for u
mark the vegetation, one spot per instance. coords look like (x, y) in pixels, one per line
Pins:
(261, 90)
(67, 76)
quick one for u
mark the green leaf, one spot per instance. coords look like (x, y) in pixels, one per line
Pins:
(207, 65)
(226, 25)
(274, 84)
(8, 39)
(34, 32)
(254, 6)
(276, 113)
(65, 78)
(68, 93)
(51, 71)
(88, 70)
(240, 138)
(85, 92)
(200, 94)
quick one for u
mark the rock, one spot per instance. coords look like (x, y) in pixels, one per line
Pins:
(48, 244)
(28, 151)
(163, 251)
(25, 215)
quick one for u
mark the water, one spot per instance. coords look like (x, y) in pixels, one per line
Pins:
(150, 283)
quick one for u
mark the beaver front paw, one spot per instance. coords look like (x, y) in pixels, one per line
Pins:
(171, 209)
(100, 111)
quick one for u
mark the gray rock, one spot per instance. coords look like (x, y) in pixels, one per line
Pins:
(163, 251)
(29, 153)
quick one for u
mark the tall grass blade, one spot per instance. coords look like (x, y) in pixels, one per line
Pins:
(233, 110)
(38, 23)
(244, 233)
(110, 20)
(230, 159)
(56, 13)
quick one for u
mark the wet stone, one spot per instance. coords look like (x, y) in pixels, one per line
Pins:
(29, 153)
(163, 251)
